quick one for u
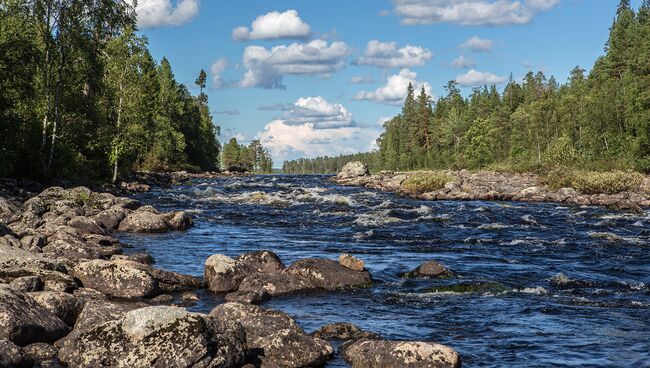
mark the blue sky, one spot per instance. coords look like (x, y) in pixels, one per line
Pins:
(305, 78)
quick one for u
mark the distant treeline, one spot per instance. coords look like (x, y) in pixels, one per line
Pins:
(330, 165)
(597, 121)
(82, 97)
(252, 158)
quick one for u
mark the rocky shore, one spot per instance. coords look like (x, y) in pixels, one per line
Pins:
(70, 297)
(492, 186)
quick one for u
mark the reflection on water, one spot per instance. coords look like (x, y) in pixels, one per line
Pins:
(599, 317)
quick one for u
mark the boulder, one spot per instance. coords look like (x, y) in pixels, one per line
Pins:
(276, 283)
(328, 274)
(353, 169)
(429, 269)
(262, 261)
(85, 225)
(12, 356)
(63, 305)
(223, 274)
(24, 321)
(178, 221)
(351, 262)
(111, 217)
(367, 353)
(343, 331)
(167, 281)
(31, 241)
(27, 283)
(248, 297)
(276, 336)
(143, 222)
(158, 337)
(43, 355)
(97, 312)
(115, 279)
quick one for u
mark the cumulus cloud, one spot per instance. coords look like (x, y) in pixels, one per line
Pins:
(471, 12)
(474, 78)
(316, 127)
(272, 26)
(156, 13)
(478, 44)
(462, 62)
(217, 69)
(394, 92)
(266, 68)
(388, 55)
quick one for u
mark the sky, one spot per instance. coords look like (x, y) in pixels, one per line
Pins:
(312, 78)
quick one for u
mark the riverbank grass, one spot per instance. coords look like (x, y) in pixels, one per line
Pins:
(592, 182)
(423, 182)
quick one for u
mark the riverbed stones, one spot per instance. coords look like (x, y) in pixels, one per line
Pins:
(115, 279)
(353, 169)
(23, 321)
(42, 355)
(63, 305)
(344, 331)
(276, 336)
(27, 283)
(12, 356)
(223, 274)
(351, 262)
(178, 221)
(429, 269)
(367, 353)
(328, 274)
(85, 225)
(111, 217)
(158, 337)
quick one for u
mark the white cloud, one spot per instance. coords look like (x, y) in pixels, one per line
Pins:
(471, 12)
(362, 79)
(474, 78)
(315, 127)
(463, 63)
(478, 44)
(394, 92)
(272, 26)
(217, 69)
(156, 13)
(388, 55)
(266, 68)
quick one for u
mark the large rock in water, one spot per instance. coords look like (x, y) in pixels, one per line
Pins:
(276, 283)
(328, 274)
(23, 321)
(277, 337)
(116, 279)
(143, 222)
(400, 354)
(353, 169)
(158, 337)
(223, 274)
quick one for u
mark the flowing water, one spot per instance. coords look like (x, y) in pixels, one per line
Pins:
(599, 315)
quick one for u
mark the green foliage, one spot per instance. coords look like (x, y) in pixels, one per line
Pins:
(81, 96)
(426, 182)
(254, 157)
(591, 182)
(597, 121)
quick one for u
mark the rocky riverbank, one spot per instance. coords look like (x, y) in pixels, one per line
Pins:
(69, 296)
(492, 186)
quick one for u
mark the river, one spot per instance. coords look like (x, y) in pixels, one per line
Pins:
(601, 317)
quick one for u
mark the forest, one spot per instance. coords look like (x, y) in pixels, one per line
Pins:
(251, 158)
(598, 120)
(82, 97)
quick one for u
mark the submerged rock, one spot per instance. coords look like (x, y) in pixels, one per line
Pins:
(400, 354)
(429, 269)
(328, 274)
(561, 281)
(478, 288)
(277, 338)
(23, 321)
(158, 337)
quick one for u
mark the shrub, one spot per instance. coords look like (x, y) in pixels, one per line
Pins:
(592, 182)
(426, 182)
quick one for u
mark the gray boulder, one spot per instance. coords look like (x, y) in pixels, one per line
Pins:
(143, 222)
(12, 356)
(353, 169)
(429, 269)
(158, 337)
(328, 274)
(276, 284)
(63, 305)
(276, 336)
(262, 261)
(24, 321)
(400, 354)
(223, 274)
(116, 279)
